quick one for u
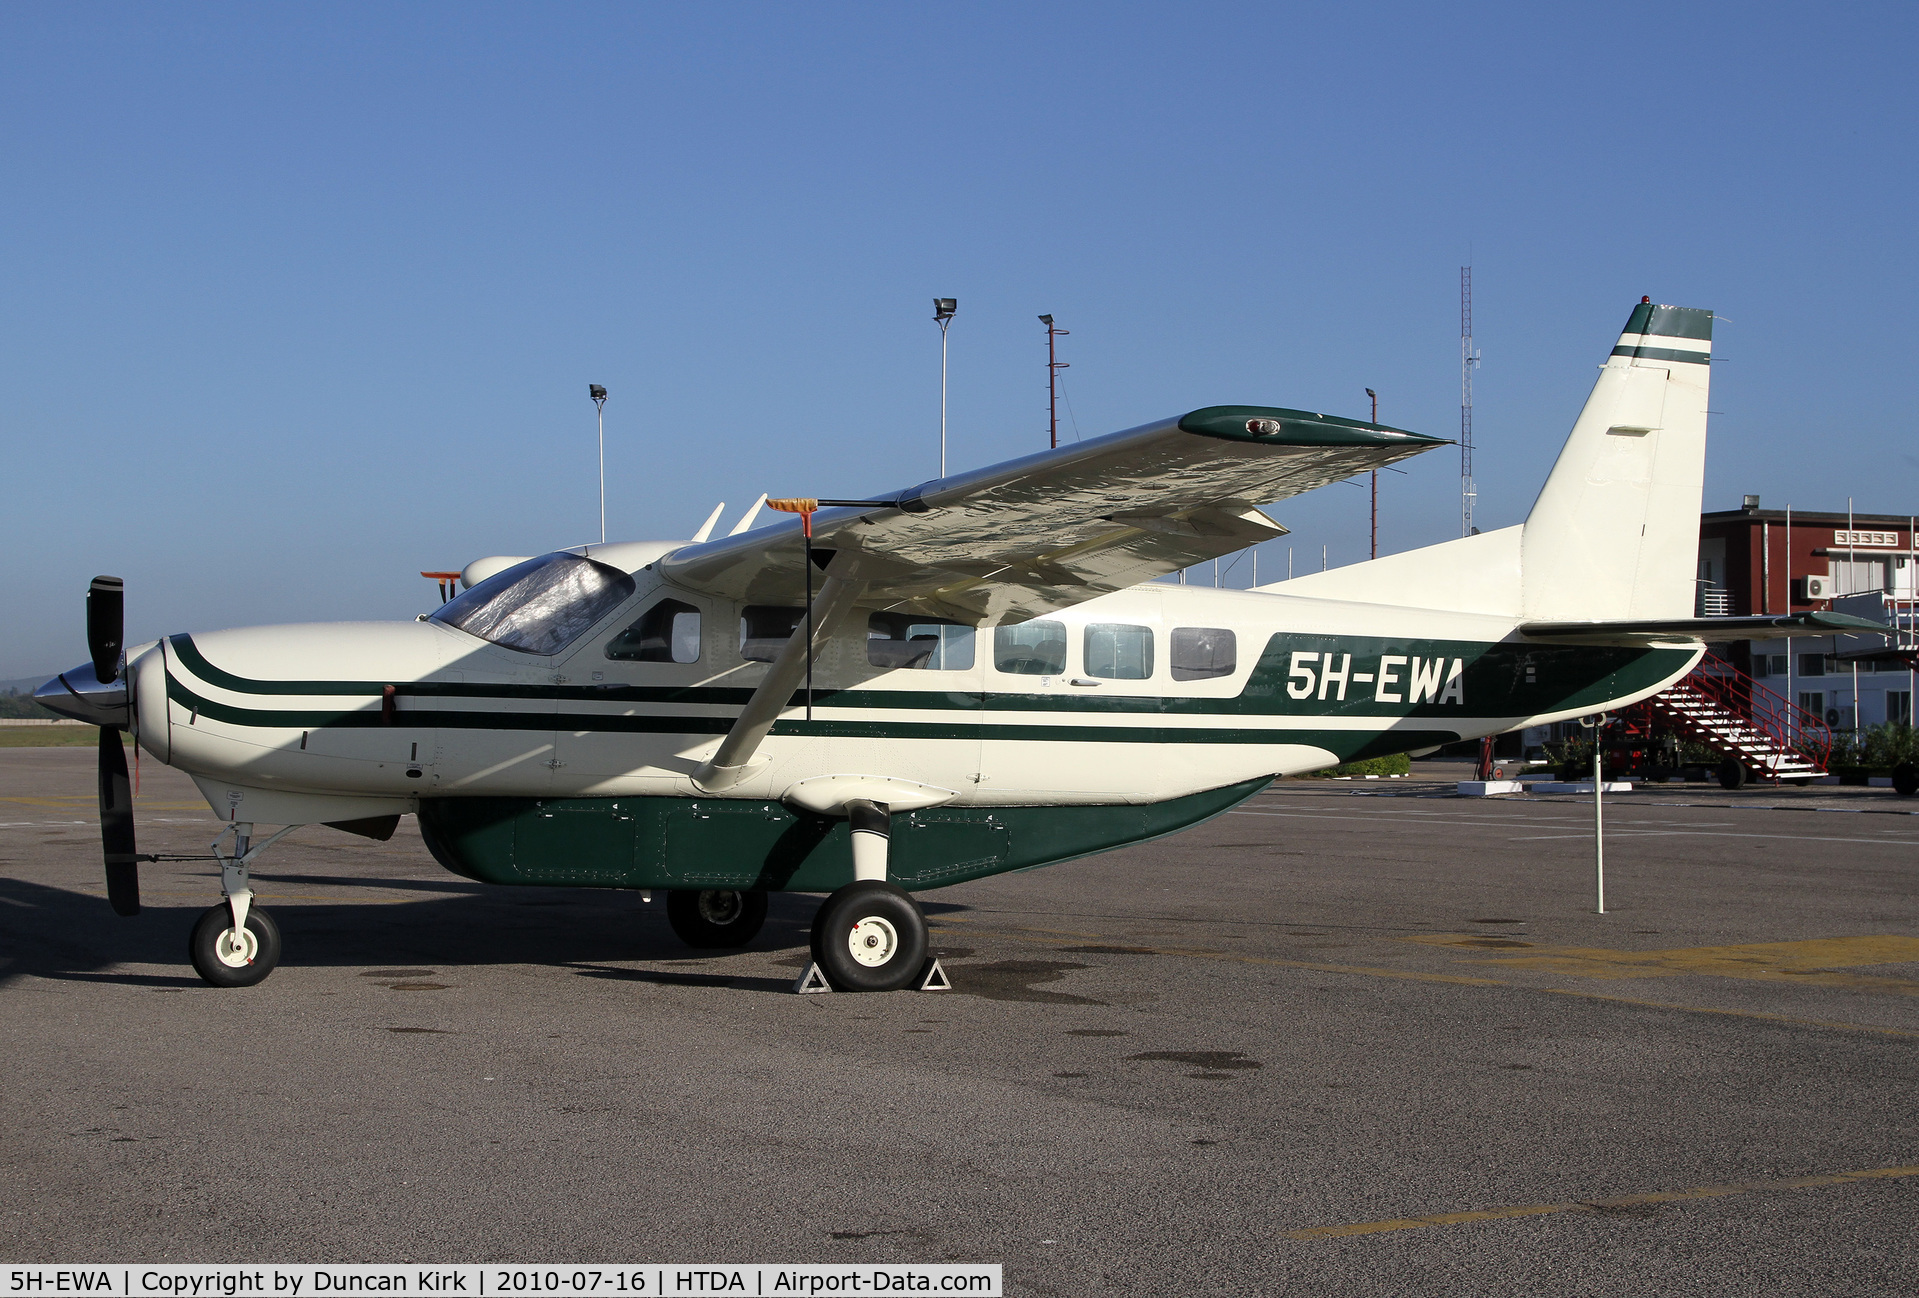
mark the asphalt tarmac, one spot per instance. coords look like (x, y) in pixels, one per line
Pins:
(1332, 1043)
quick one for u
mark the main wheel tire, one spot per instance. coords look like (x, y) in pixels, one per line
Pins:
(870, 937)
(1905, 779)
(715, 917)
(1732, 774)
(224, 962)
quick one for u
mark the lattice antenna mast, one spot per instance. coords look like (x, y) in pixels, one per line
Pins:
(1468, 361)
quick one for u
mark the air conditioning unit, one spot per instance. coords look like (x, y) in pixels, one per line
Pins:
(1815, 588)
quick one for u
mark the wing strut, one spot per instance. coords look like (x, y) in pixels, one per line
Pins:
(731, 762)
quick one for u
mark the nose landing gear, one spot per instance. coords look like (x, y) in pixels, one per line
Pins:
(236, 944)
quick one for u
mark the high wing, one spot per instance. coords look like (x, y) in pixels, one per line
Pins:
(1020, 539)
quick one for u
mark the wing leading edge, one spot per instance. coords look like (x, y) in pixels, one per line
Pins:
(1020, 539)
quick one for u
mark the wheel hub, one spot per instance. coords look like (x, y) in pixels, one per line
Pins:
(720, 906)
(236, 952)
(873, 941)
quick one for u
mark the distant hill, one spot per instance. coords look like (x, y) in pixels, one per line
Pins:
(16, 696)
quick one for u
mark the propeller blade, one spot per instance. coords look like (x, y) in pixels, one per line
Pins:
(106, 626)
(116, 824)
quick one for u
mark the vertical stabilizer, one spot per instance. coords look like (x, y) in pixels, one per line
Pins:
(1614, 535)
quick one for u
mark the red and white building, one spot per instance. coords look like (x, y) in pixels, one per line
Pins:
(1754, 561)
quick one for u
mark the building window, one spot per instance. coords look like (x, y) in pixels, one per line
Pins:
(669, 632)
(900, 640)
(1201, 653)
(1030, 649)
(1119, 653)
(1899, 707)
(1813, 701)
(1812, 664)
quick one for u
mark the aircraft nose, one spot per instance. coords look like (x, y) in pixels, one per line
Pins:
(79, 694)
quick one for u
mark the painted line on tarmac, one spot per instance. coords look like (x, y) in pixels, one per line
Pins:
(1696, 833)
(1601, 1205)
(1572, 800)
(1743, 1014)
(1060, 937)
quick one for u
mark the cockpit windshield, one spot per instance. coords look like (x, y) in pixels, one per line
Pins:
(540, 606)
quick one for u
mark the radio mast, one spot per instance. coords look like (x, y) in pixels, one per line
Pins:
(1468, 359)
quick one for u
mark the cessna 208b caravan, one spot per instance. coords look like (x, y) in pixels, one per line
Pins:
(965, 677)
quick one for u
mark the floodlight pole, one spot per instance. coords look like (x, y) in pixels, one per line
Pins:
(598, 394)
(944, 308)
(1375, 553)
(1053, 366)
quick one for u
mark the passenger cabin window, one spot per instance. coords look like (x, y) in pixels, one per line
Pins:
(669, 632)
(540, 606)
(765, 629)
(1201, 653)
(899, 640)
(1030, 649)
(1116, 652)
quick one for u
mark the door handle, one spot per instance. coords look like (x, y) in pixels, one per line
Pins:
(1082, 681)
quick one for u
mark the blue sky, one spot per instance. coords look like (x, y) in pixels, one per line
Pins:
(298, 300)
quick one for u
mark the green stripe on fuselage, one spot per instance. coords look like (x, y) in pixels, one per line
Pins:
(1434, 683)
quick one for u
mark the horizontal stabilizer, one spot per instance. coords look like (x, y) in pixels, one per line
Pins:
(1709, 628)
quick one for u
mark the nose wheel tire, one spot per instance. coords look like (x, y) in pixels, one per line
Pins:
(226, 959)
(869, 937)
(715, 917)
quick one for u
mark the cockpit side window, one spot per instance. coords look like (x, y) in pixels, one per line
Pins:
(669, 632)
(540, 606)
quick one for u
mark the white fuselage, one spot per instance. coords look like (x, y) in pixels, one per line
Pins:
(333, 721)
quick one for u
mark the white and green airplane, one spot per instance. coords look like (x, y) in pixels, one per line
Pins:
(992, 680)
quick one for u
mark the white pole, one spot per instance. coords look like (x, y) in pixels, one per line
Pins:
(942, 398)
(1599, 817)
(1255, 566)
(602, 475)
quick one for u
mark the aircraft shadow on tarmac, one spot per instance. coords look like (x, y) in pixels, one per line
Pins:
(56, 933)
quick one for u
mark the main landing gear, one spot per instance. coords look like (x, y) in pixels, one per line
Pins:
(870, 936)
(236, 944)
(715, 917)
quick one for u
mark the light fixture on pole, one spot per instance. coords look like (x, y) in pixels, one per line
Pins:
(1375, 396)
(1053, 366)
(944, 308)
(598, 394)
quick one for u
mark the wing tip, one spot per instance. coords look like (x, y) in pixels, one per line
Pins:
(1281, 425)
